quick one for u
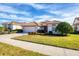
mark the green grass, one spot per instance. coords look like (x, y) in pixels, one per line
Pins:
(71, 41)
(8, 50)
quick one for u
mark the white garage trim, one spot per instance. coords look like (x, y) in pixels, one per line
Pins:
(29, 29)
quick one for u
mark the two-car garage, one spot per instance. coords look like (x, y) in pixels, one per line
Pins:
(29, 29)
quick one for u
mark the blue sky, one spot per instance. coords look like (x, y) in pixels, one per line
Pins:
(28, 12)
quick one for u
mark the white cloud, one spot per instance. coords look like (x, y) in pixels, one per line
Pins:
(15, 17)
(42, 18)
(4, 15)
(37, 6)
(68, 19)
(67, 15)
(12, 10)
(24, 19)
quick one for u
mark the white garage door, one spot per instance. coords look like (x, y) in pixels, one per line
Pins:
(29, 29)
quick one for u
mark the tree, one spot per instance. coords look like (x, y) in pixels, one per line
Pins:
(64, 28)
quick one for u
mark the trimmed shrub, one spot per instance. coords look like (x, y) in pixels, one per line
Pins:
(64, 28)
(17, 31)
(50, 32)
(40, 31)
(75, 32)
(13, 31)
(32, 33)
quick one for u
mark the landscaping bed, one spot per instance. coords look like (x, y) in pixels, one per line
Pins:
(71, 41)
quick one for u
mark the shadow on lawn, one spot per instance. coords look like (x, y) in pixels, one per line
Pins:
(57, 35)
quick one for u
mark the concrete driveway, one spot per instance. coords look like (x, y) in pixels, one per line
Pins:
(44, 49)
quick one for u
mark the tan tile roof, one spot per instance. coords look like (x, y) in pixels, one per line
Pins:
(45, 23)
(22, 23)
(30, 24)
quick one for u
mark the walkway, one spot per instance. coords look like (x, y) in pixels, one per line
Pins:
(44, 49)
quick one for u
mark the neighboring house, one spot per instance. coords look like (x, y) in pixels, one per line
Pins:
(45, 26)
(12, 25)
(76, 24)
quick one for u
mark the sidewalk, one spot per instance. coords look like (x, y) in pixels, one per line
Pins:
(44, 49)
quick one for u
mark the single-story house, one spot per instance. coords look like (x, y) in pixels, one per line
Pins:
(76, 24)
(45, 26)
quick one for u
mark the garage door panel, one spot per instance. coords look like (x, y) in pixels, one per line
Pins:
(29, 29)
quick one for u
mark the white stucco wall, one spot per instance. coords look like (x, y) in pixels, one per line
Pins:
(13, 27)
(30, 29)
(49, 27)
(52, 28)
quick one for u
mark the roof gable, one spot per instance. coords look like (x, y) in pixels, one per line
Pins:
(76, 21)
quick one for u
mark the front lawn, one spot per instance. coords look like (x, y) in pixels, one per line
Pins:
(8, 50)
(71, 41)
